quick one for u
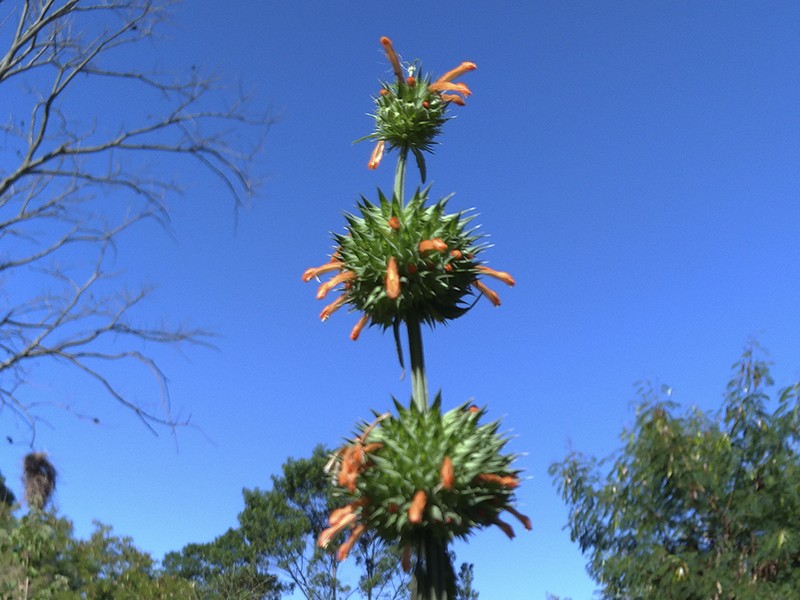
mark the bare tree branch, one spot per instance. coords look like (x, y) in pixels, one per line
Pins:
(72, 181)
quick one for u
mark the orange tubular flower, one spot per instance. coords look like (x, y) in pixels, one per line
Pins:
(406, 560)
(454, 99)
(377, 155)
(362, 322)
(392, 279)
(328, 534)
(501, 275)
(332, 308)
(526, 522)
(392, 56)
(448, 476)
(333, 265)
(446, 86)
(464, 67)
(417, 507)
(490, 294)
(339, 513)
(345, 548)
(507, 481)
(507, 529)
(326, 287)
(372, 447)
(434, 244)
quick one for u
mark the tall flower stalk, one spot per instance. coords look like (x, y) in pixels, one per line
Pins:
(420, 477)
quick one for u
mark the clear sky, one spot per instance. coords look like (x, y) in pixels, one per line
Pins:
(638, 169)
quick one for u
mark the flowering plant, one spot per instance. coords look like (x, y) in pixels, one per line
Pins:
(421, 477)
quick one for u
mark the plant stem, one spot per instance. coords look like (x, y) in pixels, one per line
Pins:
(419, 381)
(433, 577)
(400, 176)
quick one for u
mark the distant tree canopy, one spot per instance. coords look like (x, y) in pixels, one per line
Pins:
(40, 558)
(695, 506)
(278, 531)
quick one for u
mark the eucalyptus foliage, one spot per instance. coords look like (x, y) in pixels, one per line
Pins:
(695, 505)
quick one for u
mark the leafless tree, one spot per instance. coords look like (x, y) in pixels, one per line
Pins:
(74, 176)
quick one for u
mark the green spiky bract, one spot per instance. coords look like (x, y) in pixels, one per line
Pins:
(409, 117)
(414, 444)
(433, 284)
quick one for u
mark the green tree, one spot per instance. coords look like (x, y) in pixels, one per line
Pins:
(226, 568)
(278, 530)
(40, 558)
(464, 580)
(695, 506)
(283, 525)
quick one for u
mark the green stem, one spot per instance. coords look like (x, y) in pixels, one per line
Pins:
(433, 577)
(400, 176)
(419, 381)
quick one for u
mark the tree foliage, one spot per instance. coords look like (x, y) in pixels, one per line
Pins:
(88, 143)
(464, 581)
(277, 534)
(696, 505)
(40, 558)
(225, 568)
(283, 524)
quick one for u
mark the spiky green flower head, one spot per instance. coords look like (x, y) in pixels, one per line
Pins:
(412, 262)
(423, 473)
(410, 111)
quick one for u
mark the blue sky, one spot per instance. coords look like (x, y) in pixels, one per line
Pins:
(636, 165)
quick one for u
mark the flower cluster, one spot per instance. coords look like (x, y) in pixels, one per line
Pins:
(410, 111)
(405, 262)
(421, 474)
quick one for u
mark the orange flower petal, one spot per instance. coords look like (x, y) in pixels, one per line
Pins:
(434, 244)
(394, 223)
(489, 293)
(392, 279)
(393, 58)
(362, 322)
(344, 549)
(328, 534)
(464, 67)
(406, 560)
(507, 529)
(454, 99)
(333, 265)
(526, 522)
(448, 86)
(377, 155)
(326, 287)
(332, 307)
(501, 275)
(447, 473)
(417, 507)
(505, 481)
